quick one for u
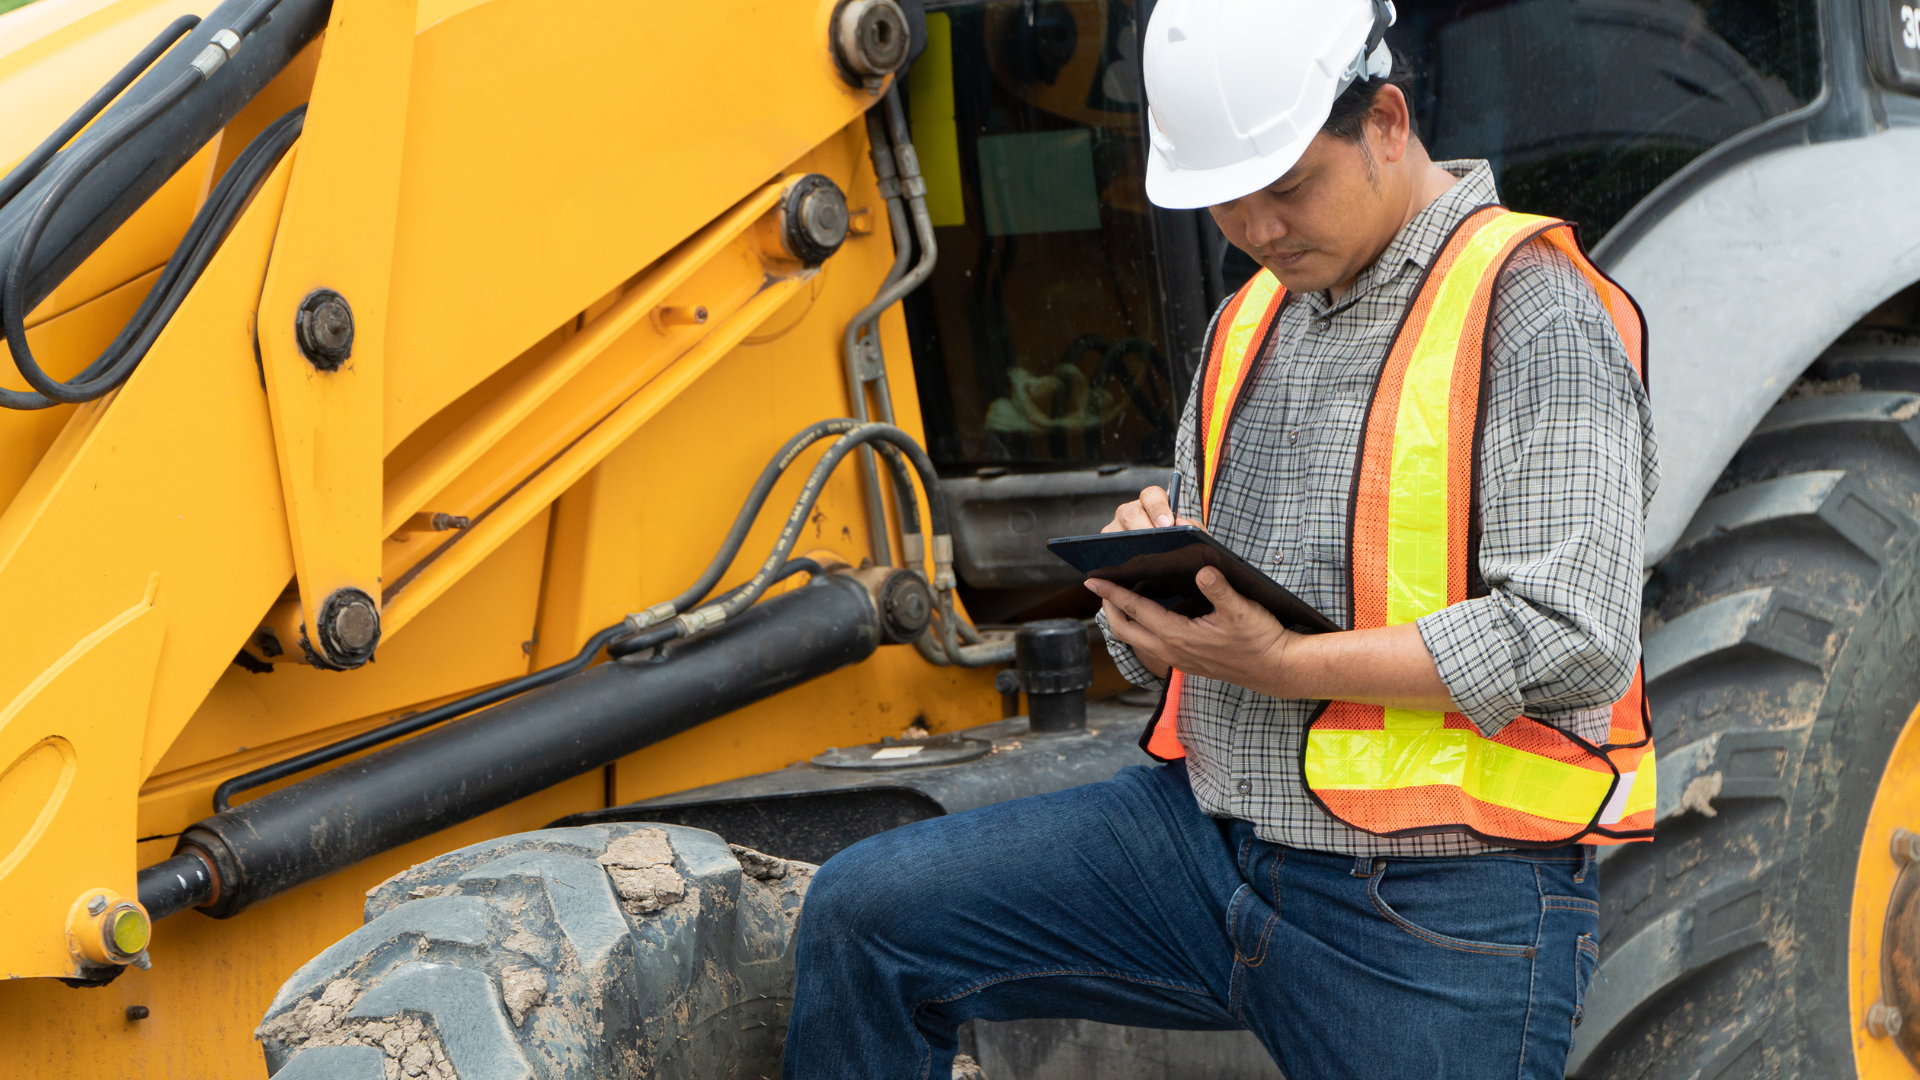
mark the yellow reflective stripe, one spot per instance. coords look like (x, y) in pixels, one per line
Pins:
(1239, 342)
(1417, 552)
(1646, 786)
(1481, 768)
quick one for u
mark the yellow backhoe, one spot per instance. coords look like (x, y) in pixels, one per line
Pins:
(493, 491)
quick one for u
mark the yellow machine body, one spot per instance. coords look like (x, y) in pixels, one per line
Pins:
(512, 195)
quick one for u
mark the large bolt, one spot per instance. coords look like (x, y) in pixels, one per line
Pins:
(1883, 1020)
(324, 329)
(349, 627)
(906, 605)
(813, 219)
(870, 38)
(1905, 847)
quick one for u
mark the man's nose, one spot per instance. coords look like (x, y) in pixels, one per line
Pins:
(1264, 229)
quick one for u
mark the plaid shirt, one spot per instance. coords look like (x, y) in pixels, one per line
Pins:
(1567, 470)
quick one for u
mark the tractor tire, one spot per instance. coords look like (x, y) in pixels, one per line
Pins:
(1781, 667)
(619, 950)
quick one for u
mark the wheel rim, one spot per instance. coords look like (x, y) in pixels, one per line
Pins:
(1896, 806)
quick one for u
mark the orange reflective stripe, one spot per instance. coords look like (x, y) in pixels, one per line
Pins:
(1397, 772)
(1404, 772)
(1242, 328)
(1163, 737)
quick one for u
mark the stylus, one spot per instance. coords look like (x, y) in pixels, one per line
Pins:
(1173, 496)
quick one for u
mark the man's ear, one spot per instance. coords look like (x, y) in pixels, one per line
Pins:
(1390, 124)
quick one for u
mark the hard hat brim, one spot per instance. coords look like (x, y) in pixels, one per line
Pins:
(1189, 189)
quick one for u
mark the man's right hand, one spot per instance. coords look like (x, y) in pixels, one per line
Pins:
(1149, 511)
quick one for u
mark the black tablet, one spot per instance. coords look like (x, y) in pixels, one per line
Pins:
(1159, 564)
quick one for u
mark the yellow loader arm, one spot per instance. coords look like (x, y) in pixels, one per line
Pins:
(509, 240)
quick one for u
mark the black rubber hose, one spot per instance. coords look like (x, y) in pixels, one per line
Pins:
(113, 190)
(32, 165)
(863, 435)
(750, 510)
(407, 725)
(203, 238)
(660, 635)
(13, 301)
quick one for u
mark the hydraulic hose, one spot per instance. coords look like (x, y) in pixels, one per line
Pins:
(866, 361)
(33, 164)
(204, 236)
(60, 204)
(625, 638)
(861, 346)
(742, 524)
(619, 639)
(113, 367)
(717, 612)
(782, 460)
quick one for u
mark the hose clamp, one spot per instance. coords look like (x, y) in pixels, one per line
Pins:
(652, 616)
(913, 549)
(222, 47)
(705, 618)
(943, 578)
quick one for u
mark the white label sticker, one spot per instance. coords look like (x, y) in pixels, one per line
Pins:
(892, 752)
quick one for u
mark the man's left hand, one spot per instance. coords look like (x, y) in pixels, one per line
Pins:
(1238, 642)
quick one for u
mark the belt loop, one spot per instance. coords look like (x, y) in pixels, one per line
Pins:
(1586, 862)
(1363, 866)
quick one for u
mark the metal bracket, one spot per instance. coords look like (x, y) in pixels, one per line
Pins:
(322, 319)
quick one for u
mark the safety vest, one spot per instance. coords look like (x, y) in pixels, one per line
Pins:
(1412, 547)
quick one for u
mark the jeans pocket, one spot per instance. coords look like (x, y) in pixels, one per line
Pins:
(1586, 958)
(1448, 940)
(1250, 922)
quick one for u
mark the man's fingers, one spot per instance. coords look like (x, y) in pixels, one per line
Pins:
(1214, 585)
(1153, 500)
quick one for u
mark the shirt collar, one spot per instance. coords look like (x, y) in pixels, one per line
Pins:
(1423, 237)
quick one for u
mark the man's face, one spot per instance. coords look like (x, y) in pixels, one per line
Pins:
(1322, 223)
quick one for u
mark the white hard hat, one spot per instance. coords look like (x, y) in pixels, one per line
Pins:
(1236, 89)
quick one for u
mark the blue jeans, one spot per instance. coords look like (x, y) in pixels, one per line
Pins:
(1121, 902)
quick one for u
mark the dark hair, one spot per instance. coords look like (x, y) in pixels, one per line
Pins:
(1350, 110)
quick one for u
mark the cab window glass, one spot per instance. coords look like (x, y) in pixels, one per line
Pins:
(1585, 106)
(1039, 339)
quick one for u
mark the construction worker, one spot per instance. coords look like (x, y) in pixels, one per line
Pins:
(1375, 848)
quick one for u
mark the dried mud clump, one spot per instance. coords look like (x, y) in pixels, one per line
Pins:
(521, 989)
(641, 865)
(412, 1052)
(759, 865)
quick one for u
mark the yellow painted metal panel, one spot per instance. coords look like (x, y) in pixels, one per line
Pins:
(337, 234)
(63, 345)
(212, 979)
(122, 494)
(480, 633)
(545, 168)
(84, 711)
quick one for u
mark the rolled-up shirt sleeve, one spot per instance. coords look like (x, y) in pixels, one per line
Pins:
(1129, 664)
(1567, 465)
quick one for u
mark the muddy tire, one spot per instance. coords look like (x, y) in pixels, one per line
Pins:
(622, 950)
(1781, 667)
